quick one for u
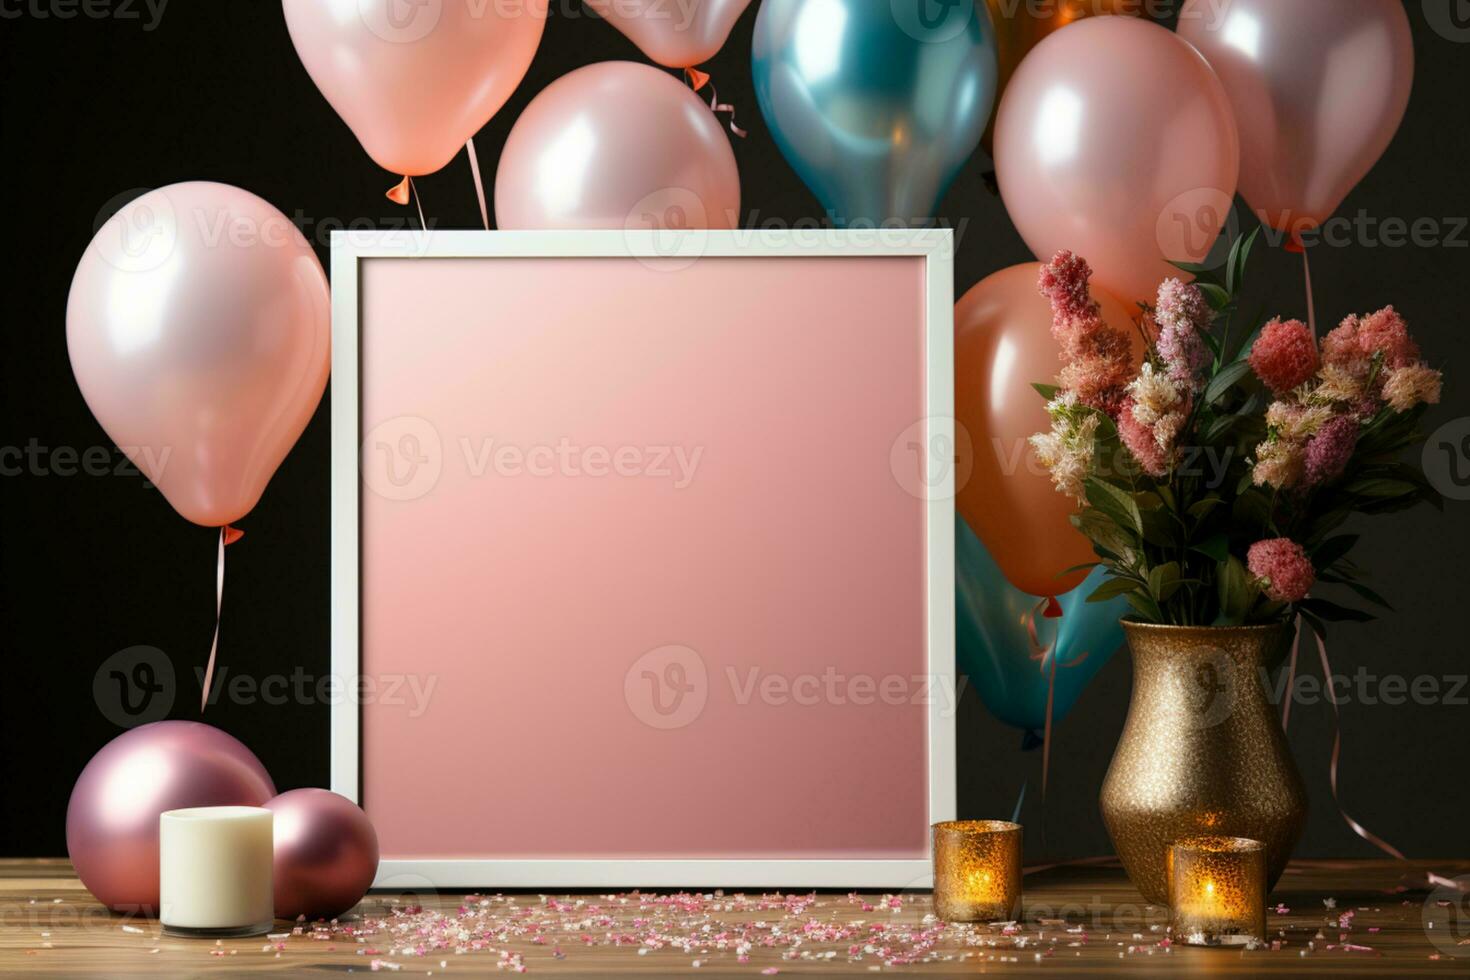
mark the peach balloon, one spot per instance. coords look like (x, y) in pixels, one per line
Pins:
(1319, 89)
(673, 34)
(1004, 345)
(199, 328)
(617, 145)
(415, 81)
(1116, 140)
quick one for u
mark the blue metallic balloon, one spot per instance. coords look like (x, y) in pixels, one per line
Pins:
(877, 104)
(994, 647)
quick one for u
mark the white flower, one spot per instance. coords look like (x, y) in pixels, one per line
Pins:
(1154, 395)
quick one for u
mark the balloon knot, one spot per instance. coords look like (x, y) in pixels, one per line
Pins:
(1294, 244)
(398, 194)
(697, 79)
(1053, 608)
(232, 534)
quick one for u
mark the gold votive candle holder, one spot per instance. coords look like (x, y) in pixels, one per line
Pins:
(977, 871)
(1217, 891)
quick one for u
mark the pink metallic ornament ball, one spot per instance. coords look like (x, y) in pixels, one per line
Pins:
(112, 819)
(326, 854)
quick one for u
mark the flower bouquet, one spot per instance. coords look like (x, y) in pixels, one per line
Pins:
(1215, 477)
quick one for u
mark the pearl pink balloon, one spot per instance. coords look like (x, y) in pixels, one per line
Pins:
(415, 80)
(1319, 89)
(617, 145)
(679, 35)
(199, 327)
(326, 854)
(112, 819)
(1116, 140)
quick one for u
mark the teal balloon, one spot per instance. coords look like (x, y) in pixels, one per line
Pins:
(994, 648)
(876, 104)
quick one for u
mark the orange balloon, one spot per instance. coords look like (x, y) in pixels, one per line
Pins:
(1019, 27)
(1003, 345)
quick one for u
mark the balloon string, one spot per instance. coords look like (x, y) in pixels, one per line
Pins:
(698, 80)
(1311, 304)
(479, 184)
(419, 202)
(1016, 813)
(227, 536)
(1296, 644)
(1356, 827)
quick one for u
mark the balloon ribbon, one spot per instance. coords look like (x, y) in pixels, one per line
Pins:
(1047, 608)
(227, 536)
(698, 80)
(479, 184)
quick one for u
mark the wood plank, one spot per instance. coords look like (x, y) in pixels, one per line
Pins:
(1080, 921)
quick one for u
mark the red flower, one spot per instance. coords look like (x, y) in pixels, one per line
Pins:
(1285, 355)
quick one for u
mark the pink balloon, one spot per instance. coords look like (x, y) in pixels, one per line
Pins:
(112, 818)
(617, 145)
(679, 35)
(199, 327)
(415, 80)
(326, 854)
(1319, 89)
(1116, 140)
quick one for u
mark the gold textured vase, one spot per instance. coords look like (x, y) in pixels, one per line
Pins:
(1202, 751)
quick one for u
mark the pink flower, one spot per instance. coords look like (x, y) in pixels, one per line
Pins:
(1358, 339)
(1330, 450)
(1142, 442)
(1064, 282)
(1099, 358)
(1283, 569)
(1285, 355)
(1183, 316)
(1386, 333)
(1182, 305)
(1414, 384)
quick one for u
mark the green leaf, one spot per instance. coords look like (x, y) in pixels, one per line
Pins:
(1228, 377)
(1193, 268)
(1046, 391)
(1237, 589)
(1116, 503)
(1368, 594)
(1201, 508)
(1380, 487)
(1113, 588)
(1216, 546)
(1333, 613)
(1330, 550)
(1084, 567)
(1217, 297)
(1144, 605)
(1163, 581)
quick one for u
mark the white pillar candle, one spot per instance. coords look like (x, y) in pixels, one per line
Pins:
(214, 871)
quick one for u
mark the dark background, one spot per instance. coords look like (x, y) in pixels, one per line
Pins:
(96, 109)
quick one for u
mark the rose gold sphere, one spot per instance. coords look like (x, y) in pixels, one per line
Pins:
(326, 854)
(112, 819)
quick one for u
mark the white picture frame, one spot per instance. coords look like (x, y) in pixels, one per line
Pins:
(350, 250)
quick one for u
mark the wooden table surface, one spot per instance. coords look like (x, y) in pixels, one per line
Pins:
(1328, 919)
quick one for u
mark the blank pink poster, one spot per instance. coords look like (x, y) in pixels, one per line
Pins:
(639, 541)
